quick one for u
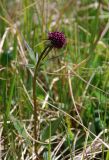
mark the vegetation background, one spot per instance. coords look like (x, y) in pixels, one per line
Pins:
(72, 83)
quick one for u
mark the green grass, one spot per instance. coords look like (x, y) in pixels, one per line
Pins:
(72, 90)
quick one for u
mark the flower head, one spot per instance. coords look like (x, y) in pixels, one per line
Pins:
(57, 39)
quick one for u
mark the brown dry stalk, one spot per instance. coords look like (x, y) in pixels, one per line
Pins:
(36, 108)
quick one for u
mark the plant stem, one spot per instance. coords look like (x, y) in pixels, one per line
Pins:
(36, 109)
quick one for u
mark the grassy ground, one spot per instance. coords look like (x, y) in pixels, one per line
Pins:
(72, 83)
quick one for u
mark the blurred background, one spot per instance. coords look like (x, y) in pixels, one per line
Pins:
(72, 83)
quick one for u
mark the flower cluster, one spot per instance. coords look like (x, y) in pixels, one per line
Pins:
(57, 39)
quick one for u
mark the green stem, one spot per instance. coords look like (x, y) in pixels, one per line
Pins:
(36, 109)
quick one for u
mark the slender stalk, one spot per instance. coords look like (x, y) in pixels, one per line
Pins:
(36, 109)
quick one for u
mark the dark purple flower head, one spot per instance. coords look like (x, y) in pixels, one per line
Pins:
(57, 39)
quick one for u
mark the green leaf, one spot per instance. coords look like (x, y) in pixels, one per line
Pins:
(100, 96)
(6, 58)
(46, 130)
(31, 53)
(107, 155)
(20, 129)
